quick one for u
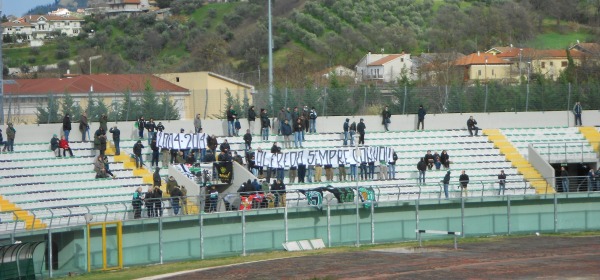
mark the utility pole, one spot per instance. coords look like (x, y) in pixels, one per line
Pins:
(1, 76)
(270, 58)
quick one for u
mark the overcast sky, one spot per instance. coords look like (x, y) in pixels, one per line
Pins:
(19, 7)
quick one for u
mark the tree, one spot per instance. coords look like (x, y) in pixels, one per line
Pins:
(150, 107)
(68, 106)
(49, 112)
(128, 107)
(95, 108)
(168, 107)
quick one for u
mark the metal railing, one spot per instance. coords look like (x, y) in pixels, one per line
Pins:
(580, 151)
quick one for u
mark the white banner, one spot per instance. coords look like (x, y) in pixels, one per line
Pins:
(335, 157)
(181, 141)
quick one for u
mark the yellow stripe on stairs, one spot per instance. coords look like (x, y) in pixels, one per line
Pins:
(592, 135)
(518, 161)
(20, 214)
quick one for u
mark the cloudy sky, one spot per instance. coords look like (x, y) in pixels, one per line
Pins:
(19, 7)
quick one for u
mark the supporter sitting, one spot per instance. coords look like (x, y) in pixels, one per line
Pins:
(53, 145)
(107, 167)
(64, 145)
(99, 168)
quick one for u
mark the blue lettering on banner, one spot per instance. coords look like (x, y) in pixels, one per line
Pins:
(335, 157)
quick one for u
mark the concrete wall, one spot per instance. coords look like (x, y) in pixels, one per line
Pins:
(43, 133)
(542, 166)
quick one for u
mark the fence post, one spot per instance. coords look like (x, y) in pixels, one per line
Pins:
(527, 97)
(160, 240)
(50, 271)
(372, 222)
(244, 232)
(285, 222)
(569, 105)
(508, 213)
(205, 102)
(404, 102)
(328, 225)
(417, 216)
(462, 215)
(324, 101)
(555, 213)
(365, 101)
(201, 221)
(446, 100)
(486, 99)
(286, 97)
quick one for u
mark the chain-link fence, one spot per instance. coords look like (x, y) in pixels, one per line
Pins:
(360, 100)
(435, 99)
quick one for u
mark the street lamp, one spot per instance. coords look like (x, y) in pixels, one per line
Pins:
(527, 97)
(520, 59)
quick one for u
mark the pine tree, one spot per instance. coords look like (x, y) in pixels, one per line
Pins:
(68, 106)
(48, 113)
(150, 107)
(169, 108)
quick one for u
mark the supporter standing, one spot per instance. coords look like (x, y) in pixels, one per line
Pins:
(265, 124)
(66, 126)
(342, 173)
(157, 196)
(501, 182)
(421, 117)
(136, 202)
(352, 133)
(165, 157)
(156, 180)
(149, 202)
(361, 132)
(564, 174)
(54, 145)
(421, 167)
(293, 173)
(328, 172)
(84, 127)
(280, 119)
(155, 154)
(446, 182)
(371, 170)
(10, 138)
(286, 130)
(248, 140)
(116, 136)
(197, 123)
(313, 120)
(176, 195)
(464, 181)
(577, 110)
(103, 122)
(231, 115)
(171, 184)
(141, 125)
(383, 170)
(392, 167)
(301, 172)
(298, 132)
(64, 145)
(151, 127)
(238, 126)
(137, 152)
(346, 129)
(251, 119)
(102, 147)
(591, 178)
(353, 172)
(385, 118)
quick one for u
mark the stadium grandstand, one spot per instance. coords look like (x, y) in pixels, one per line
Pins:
(57, 217)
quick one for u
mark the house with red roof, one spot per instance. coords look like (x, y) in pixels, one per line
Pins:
(484, 67)
(32, 27)
(127, 7)
(23, 96)
(385, 68)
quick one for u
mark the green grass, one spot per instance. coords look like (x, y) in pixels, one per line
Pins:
(19, 56)
(221, 8)
(554, 40)
(151, 270)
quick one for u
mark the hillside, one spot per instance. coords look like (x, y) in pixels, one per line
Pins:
(309, 35)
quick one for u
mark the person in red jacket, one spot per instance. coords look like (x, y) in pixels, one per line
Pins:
(64, 145)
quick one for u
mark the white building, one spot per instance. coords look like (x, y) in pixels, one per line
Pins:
(384, 67)
(118, 7)
(41, 26)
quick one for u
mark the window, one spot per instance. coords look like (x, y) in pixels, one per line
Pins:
(543, 64)
(492, 72)
(564, 64)
(177, 79)
(551, 63)
(402, 59)
(479, 72)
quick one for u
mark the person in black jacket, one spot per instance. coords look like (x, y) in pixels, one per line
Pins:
(346, 128)
(149, 202)
(472, 125)
(421, 117)
(446, 182)
(445, 159)
(66, 127)
(141, 123)
(464, 181)
(501, 182)
(136, 202)
(286, 130)
(386, 116)
(137, 152)
(53, 145)
(421, 167)
(248, 139)
(251, 119)
(157, 197)
(102, 140)
(231, 116)
(151, 127)
(116, 136)
(275, 149)
(155, 154)
(156, 178)
(429, 159)
(265, 124)
(176, 195)
(361, 132)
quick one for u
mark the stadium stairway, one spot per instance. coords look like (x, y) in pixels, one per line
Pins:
(20, 214)
(592, 135)
(517, 160)
(129, 163)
